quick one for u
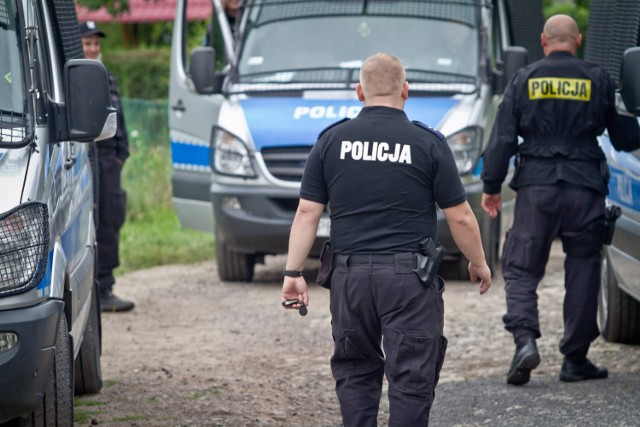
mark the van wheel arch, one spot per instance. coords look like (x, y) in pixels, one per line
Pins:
(618, 312)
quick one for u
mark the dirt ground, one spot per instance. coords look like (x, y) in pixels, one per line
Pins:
(199, 352)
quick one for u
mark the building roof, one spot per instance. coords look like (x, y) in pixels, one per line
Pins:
(148, 11)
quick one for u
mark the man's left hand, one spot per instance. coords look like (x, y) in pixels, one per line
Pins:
(492, 204)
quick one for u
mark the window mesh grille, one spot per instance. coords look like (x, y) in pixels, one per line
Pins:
(24, 245)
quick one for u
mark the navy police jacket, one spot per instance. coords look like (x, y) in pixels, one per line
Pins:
(557, 106)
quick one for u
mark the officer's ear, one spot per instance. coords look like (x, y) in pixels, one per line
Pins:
(579, 40)
(359, 92)
(405, 90)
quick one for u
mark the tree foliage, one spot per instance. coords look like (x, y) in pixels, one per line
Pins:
(115, 7)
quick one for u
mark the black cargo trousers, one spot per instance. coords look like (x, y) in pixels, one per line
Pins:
(111, 215)
(374, 303)
(543, 213)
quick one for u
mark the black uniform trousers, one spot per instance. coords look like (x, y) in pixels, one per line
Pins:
(373, 304)
(543, 213)
(111, 215)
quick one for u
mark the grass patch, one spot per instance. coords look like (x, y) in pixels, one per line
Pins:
(82, 402)
(210, 391)
(81, 412)
(158, 239)
(109, 383)
(130, 418)
(152, 234)
(84, 417)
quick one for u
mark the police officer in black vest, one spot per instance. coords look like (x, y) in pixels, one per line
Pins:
(112, 154)
(382, 176)
(558, 105)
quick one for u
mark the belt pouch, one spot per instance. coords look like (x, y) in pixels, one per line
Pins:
(326, 266)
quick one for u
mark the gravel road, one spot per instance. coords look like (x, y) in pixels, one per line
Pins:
(199, 352)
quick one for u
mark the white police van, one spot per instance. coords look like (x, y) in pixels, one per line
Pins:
(619, 298)
(51, 106)
(240, 137)
(612, 42)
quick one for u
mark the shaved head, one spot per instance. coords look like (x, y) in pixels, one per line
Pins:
(561, 33)
(382, 76)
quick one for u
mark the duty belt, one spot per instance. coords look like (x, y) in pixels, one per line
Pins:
(374, 259)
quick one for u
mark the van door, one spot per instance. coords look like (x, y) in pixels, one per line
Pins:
(191, 118)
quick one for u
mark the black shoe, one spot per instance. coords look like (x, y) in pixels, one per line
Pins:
(524, 361)
(579, 371)
(111, 303)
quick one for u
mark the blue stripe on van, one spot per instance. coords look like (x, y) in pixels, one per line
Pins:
(277, 122)
(624, 185)
(182, 153)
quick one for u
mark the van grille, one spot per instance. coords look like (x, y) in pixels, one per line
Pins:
(286, 163)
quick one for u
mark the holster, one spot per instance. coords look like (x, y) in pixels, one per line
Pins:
(326, 266)
(428, 260)
(611, 215)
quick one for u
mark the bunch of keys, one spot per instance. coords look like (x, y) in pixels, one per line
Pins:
(303, 308)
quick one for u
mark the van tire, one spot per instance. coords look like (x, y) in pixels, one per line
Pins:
(88, 373)
(490, 235)
(618, 313)
(56, 408)
(234, 266)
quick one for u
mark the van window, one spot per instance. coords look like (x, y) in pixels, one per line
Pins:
(12, 92)
(321, 41)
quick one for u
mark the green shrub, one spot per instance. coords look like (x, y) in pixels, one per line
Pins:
(152, 234)
(141, 73)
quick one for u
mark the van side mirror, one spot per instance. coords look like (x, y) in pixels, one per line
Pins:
(630, 80)
(202, 69)
(89, 113)
(514, 58)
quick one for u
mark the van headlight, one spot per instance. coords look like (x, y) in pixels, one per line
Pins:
(465, 146)
(230, 155)
(24, 245)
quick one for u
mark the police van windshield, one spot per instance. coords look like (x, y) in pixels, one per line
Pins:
(326, 41)
(12, 92)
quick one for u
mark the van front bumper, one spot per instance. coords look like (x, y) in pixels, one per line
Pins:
(24, 369)
(257, 220)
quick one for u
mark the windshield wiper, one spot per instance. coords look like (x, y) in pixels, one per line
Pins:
(301, 75)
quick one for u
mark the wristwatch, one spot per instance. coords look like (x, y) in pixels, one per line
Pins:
(291, 273)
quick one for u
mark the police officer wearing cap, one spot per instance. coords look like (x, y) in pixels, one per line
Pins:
(558, 105)
(382, 175)
(112, 154)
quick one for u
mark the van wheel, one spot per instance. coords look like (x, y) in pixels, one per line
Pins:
(618, 313)
(56, 407)
(88, 373)
(234, 266)
(490, 235)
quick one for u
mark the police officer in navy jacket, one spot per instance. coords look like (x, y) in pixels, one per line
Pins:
(558, 105)
(112, 153)
(382, 176)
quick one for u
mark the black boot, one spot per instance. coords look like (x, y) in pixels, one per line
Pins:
(111, 303)
(573, 371)
(524, 361)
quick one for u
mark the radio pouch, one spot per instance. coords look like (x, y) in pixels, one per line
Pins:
(611, 214)
(326, 266)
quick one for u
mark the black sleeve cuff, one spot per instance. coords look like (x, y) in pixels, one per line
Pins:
(492, 188)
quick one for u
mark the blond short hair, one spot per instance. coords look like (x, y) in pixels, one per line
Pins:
(381, 75)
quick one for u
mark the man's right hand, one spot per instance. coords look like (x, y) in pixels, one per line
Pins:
(492, 204)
